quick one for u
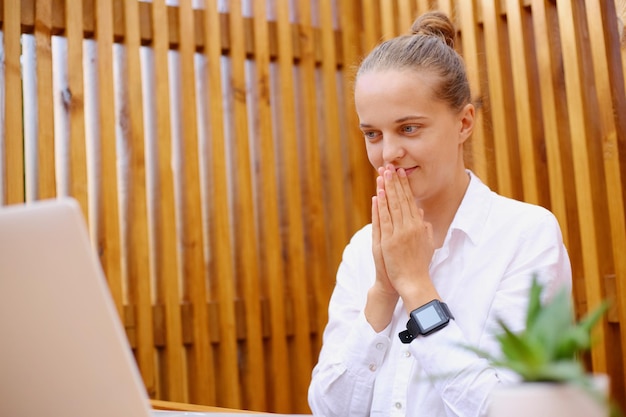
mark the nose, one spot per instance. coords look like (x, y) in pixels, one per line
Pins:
(393, 148)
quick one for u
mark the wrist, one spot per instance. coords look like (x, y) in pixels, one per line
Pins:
(379, 307)
(418, 294)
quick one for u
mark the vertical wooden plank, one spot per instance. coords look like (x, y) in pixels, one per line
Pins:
(479, 161)
(13, 176)
(361, 171)
(167, 255)
(320, 273)
(552, 127)
(584, 173)
(109, 235)
(372, 34)
(556, 132)
(608, 84)
(362, 174)
(422, 6)
(500, 105)
(277, 370)
(406, 15)
(228, 392)
(140, 285)
(243, 209)
(201, 382)
(337, 228)
(292, 211)
(387, 19)
(529, 145)
(46, 182)
(75, 82)
(448, 7)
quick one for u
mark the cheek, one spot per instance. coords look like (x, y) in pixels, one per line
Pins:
(374, 154)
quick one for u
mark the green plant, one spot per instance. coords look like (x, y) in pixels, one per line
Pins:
(549, 348)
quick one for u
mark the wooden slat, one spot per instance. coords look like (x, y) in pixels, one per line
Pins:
(371, 32)
(387, 19)
(499, 103)
(296, 287)
(140, 285)
(221, 241)
(554, 130)
(479, 161)
(202, 381)
(607, 77)
(335, 181)
(165, 237)
(362, 174)
(423, 6)
(272, 277)
(448, 7)
(529, 146)
(243, 209)
(584, 176)
(406, 15)
(75, 82)
(109, 234)
(13, 176)
(46, 182)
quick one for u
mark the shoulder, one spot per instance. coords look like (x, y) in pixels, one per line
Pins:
(484, 212)
(511, 211)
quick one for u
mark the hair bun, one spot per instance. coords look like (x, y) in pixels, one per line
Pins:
(436, 24)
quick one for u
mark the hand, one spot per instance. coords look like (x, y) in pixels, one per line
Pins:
(405, 238)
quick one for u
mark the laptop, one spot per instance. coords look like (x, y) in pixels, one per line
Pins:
(63, 349)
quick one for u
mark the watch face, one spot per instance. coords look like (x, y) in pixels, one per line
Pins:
(428, 317)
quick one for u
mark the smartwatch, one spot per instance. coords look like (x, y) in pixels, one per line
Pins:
(425, 320)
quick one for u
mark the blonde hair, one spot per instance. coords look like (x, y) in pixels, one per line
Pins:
(430, 48)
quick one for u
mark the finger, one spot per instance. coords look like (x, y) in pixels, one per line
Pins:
(406, 187)
(375, 221)
(385, 220)
(396, 200)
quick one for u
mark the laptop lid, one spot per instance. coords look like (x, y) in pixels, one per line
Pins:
(63, 349)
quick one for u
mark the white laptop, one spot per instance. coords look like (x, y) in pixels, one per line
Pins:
(63, 349)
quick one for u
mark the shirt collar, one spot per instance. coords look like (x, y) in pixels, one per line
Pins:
(472, 214)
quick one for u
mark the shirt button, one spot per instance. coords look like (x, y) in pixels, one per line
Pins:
(372, 367)
(407, 353)
(398, 405)
(380, 346)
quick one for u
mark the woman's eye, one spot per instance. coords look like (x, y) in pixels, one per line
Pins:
(370, 135)
(409, 129)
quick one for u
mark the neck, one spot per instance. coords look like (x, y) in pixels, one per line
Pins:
(441, 209)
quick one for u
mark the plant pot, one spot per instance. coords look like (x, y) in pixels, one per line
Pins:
(545, 399)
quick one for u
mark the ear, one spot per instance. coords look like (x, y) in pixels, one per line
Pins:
(466, 119)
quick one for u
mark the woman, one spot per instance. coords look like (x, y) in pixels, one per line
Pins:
(444, 257)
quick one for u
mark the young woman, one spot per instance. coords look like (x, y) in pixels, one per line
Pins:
(444, 258)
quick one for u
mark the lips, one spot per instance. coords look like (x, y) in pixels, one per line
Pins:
(410, 170)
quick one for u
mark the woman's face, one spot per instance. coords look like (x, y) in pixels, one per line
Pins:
(404, 125)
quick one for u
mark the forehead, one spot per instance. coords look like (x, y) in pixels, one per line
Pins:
(393, 91)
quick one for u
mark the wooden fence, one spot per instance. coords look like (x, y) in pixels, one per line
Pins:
(215, 152)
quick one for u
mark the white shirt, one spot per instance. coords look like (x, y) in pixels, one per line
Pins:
(483, 272)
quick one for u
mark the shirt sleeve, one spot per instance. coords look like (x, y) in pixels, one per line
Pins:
(342, 381)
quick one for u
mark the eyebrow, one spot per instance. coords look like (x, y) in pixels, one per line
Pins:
(397, 121)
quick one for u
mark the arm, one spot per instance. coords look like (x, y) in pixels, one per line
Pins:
(342, 381)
